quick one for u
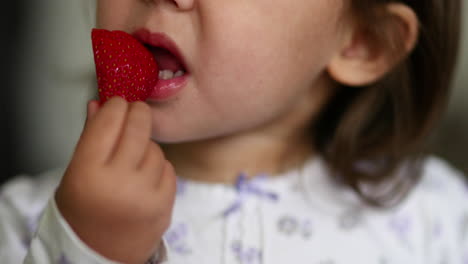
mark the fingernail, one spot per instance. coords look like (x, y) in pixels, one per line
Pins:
(88, 109)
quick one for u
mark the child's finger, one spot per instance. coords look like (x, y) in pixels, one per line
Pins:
(91, 110)
(167, 184)
(93, 107)
(103, 129)
(153, 162)
(135, 136)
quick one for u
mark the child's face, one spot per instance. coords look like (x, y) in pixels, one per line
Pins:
(249, 61)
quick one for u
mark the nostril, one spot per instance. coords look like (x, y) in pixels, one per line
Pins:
(180, 4)
(184, 4)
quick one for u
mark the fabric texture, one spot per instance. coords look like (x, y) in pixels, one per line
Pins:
(298, 217)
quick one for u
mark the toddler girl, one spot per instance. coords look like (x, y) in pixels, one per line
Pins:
(295, 129)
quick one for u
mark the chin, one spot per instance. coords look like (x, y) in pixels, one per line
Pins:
(184, 136)
(175, 137)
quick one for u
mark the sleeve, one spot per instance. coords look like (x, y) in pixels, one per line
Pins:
(34, 235)
(55, 242)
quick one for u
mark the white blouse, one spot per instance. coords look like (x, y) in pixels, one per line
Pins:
(298, 217)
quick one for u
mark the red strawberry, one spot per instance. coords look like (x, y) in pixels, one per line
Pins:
(124, 67)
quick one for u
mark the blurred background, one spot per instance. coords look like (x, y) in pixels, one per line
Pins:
(48, 73)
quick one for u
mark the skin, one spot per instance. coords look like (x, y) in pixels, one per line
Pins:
(271, 87)
(255, 85)
(118, 179)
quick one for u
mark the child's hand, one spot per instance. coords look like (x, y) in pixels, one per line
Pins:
(118, 191)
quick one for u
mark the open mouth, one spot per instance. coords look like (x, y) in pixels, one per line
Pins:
(173, 71)
(166, 53)
(170, 66)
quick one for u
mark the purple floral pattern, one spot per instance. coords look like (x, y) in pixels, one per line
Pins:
(31, 226)
(401, 225)
(246, 188)
(246, 255)
(289, 225)
(307, 228)
(181, 186)
(63, 260)
(176, 238)
(350, 219)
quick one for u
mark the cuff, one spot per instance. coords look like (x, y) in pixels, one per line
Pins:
(55, 242)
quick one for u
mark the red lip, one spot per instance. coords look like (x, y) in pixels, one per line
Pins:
(164, 89)
(161, 40)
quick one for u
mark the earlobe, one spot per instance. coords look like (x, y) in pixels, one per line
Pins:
(372, 50)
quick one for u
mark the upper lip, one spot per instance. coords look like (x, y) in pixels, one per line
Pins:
(160, 40)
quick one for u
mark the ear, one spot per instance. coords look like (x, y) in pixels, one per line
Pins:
(366, 55)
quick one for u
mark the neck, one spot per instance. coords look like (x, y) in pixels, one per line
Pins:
(221, 160)
(272, 149)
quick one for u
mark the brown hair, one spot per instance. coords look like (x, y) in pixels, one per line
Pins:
(369, 135)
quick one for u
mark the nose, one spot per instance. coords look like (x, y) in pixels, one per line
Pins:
(183, 5)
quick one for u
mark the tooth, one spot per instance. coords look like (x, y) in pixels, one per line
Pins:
(179, 73)
(166, 74)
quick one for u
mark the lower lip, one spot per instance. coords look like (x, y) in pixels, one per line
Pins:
(166, 89)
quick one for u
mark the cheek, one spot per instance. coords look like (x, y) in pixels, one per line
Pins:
(261, 59)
